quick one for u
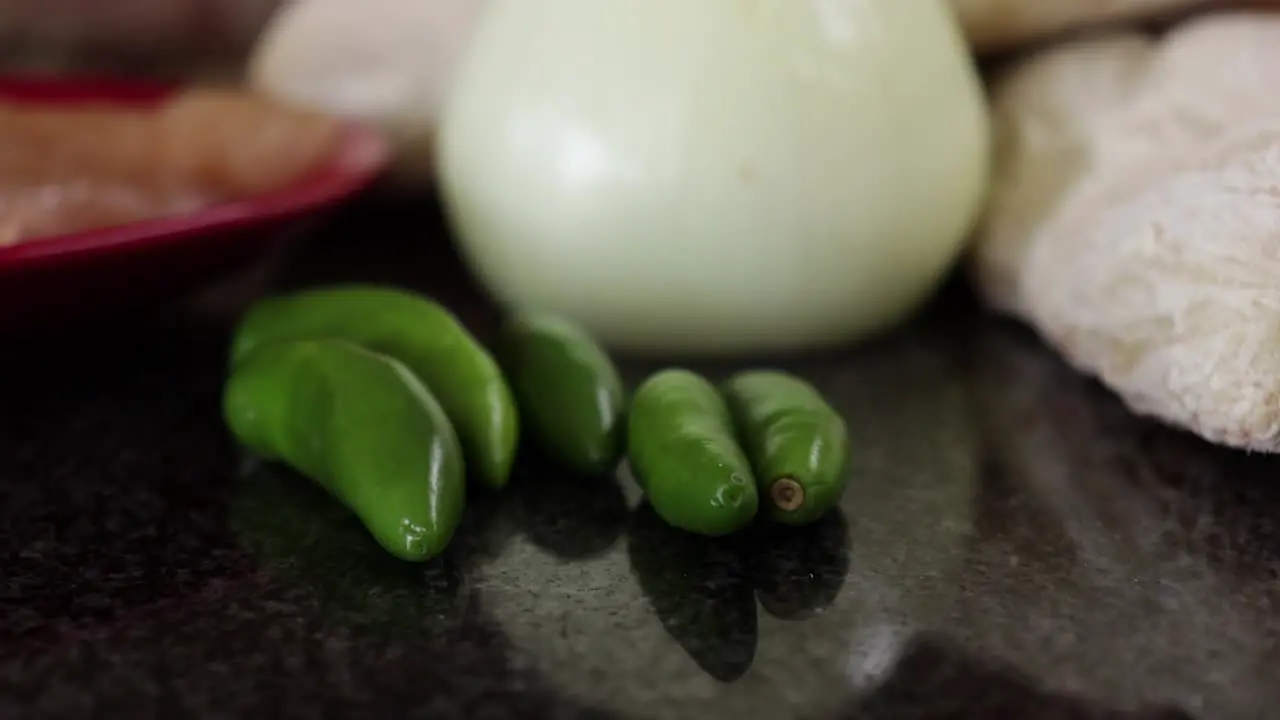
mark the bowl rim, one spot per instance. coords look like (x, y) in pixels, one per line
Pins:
(359, 158)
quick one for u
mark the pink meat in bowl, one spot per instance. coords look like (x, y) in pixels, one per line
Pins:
(57, 278)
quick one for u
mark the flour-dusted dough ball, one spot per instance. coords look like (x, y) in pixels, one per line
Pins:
(1135, 219)
(387, 62)
(1046, 114)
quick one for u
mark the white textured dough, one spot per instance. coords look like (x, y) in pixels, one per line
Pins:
(386, 62)
(715, 176)
(1152, 262)
(1045, 115)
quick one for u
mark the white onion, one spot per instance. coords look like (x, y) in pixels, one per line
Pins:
(715, 176)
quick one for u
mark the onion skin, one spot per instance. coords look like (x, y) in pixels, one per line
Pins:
(719, 177)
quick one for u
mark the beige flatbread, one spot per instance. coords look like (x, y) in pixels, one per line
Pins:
(1135, 218)
(1000, 24)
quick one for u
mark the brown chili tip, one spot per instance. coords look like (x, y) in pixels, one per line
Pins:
(787, 494)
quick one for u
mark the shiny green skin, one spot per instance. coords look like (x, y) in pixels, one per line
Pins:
(421, 334)
(570, 394)
(365, 428)
(683, 452)
(789, 431)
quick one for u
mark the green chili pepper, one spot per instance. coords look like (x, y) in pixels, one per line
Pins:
(362, 426)
(569, 392)
(797, 443)
(421, 334)
(684, 453)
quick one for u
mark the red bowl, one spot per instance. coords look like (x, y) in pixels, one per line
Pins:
(83, 274)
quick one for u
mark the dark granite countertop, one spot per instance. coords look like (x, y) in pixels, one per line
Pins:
(1015, 544)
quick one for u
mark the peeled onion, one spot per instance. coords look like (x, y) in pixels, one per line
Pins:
(716, 176)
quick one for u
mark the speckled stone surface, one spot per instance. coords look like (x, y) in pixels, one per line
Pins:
(1015, 544)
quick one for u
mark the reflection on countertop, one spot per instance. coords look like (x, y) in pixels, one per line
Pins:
(1015, 544)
